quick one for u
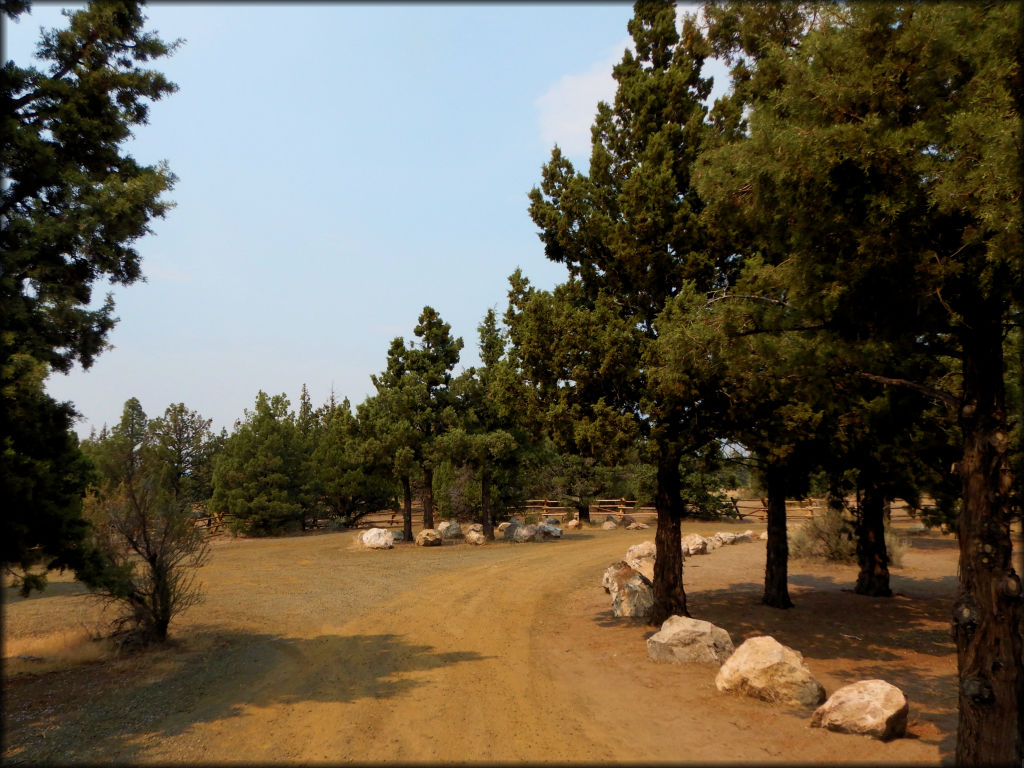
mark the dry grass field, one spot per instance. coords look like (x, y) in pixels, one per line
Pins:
(311, 649)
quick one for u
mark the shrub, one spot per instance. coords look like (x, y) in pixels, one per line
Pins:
(832, 536)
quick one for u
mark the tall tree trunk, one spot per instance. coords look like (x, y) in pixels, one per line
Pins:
(428, 498)
(988, 617)
(485, 503)
(669, 595)
(776, 569)
(872, 555)
(406, 508)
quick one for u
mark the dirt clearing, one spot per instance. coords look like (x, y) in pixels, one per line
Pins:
(311, 649)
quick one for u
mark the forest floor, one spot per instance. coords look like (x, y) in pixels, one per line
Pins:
(311, 649)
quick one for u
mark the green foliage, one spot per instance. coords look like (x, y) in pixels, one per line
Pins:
(258, 476)
(72, 205)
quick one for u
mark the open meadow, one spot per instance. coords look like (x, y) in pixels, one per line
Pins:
(312, 649)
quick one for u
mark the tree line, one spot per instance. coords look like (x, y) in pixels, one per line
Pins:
(823, 267)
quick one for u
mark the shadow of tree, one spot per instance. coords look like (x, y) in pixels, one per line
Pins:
(210, 677)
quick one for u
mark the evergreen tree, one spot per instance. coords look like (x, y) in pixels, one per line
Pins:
(884, 158)
(259, 476)
(417, 382)
(72, 204)
(630, 235)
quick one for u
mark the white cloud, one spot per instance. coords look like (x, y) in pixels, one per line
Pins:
(566, 110)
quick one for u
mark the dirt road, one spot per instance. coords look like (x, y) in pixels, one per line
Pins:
(314, 650)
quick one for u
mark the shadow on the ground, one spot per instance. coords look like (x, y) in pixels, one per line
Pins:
(864, 637)
(202, 679)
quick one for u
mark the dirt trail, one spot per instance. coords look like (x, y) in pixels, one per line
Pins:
(312, 650)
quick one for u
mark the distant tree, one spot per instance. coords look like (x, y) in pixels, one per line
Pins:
(187, 448)
(140, 511)
(72, 204)
(258, 476)
(417, 385)
(351, 480)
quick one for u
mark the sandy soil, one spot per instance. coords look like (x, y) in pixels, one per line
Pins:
(311, 649)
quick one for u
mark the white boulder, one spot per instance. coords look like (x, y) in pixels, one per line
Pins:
(682, 640)
(871, 707)
(764, 668)
(573, 524)
(609, 525)
(478, 527)
(643, 549)
(475, 537)
(694, 544)
(378, 538)
(763, 536)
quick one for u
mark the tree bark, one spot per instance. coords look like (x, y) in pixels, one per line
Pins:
(776, 569)
(988, 616)
(669, 595)
(485, 503)
(872, 555)
(428, 498)
(406, 508)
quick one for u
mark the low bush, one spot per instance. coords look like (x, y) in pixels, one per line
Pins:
(832, 536)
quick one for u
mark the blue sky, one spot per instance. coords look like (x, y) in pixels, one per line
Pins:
(340, 166)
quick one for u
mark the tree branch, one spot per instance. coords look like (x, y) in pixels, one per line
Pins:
(937, 394)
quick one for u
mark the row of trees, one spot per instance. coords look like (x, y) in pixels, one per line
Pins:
(823, 267)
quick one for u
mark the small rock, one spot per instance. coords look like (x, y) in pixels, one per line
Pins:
(477, 527)
(553, 521)
(503, 526)
(442, 526)
(573, 524)
(871, 707)
(475, 537)
(399, 535)
(637, 526)
(627, 520)
(609, 525)
(682, 640)
(763, 536)
(725, 538)
(378, 538)
(428, 537)
(765, 669)
(610, 519)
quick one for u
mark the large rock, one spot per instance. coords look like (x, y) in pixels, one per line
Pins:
(546, 532)
(725, 538)
(744, 538)
(475, 537)
(452, 531)
(378, 538)
(766, 669)
(609, 525)
(634, 598)
(509, 530)
(644, 566)
(871, 707)
(643, 549)
(521, 533)
(442, 526)
(682, 640)
(428, 537)
(616, 575)
(694, 544)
